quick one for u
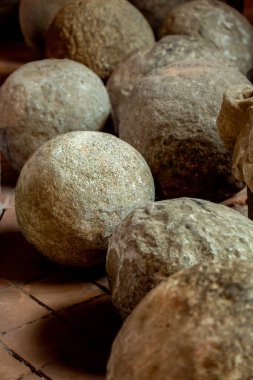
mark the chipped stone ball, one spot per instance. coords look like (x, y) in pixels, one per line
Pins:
(161, 238)
(45, 98)
(168, 50)
(218, 23)
(170, 118)
(35, 16)
(195, 325)
(73, 192)
(98, 33)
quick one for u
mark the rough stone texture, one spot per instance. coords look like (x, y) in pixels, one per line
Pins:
(35, 17)
(161, 238)
(218, 23)
(166, 51)
(196, 325)
(98, 33)
(74, 191)
(46, 98)
(170, 118)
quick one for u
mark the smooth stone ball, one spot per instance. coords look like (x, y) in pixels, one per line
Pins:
(196, 325)
(45, 98)
(161, 238)
(75, 190)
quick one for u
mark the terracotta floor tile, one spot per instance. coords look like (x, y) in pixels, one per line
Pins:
(103, 281)
(8, 196)
(59, 371)
(31, 376)
(4, 284)
(10, 368)
(17, 309)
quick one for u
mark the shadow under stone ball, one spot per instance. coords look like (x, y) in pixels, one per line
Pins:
(45, 98)
(98, 33)
(159, 239)
(196, 325)
(75, 190)
(218, 23)
(170, 118)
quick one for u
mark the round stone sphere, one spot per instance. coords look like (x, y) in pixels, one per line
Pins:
(168, 50)
(195, 325)
(161, 238)
(73, 192)
(218, 23)
(45, 98)
(98, 33)
(170, 118)
(35, 16)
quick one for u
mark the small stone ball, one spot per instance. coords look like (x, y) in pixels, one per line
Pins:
(196, 325)
(218, 23)
(98, 33)
(45, 98)
(73, 192)
(161, 238)
(170, 118)
(35, 16)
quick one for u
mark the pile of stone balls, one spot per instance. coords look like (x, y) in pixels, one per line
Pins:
(179, 268)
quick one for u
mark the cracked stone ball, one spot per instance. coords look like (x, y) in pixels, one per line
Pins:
(73, 192)
(45, 98)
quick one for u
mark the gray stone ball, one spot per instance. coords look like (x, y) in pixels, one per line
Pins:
(45, 98)
(73, 192)
(196, 325)
(161, 238)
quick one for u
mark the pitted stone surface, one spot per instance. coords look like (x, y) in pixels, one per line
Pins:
(196, 325)
(98, 33)
(45, 98)
(161, 238)
(170, 118)
(74, 191)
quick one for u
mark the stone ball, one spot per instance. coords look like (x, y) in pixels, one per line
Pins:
(218, 23)
(170, 118)
(195, 325)
(98, 33)
(73, 192)
(161, 238)
(45, 98)
(168, 50)
(35, 16)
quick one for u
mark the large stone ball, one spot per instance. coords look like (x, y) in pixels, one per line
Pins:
(170, 118)
(45, 98)
(73, 192)
(161, 238)
(196, 325)
(98, 33)
(218, 23)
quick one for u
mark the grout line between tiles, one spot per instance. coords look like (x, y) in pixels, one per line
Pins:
(102, 287)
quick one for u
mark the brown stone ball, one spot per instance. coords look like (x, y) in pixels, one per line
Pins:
(98, 33)
(73, 192)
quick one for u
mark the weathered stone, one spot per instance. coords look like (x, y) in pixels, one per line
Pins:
(161, 238)
(170, 118)
(218, 23)
(196, 325)
(98, 33)
(45, 98)
(74, 191)
(168, 50)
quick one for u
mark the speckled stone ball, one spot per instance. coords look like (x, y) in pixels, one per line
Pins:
(45, 98)
(170, 118)
(196, 325)
(98, 33)
(75, 190)
(161, 238)
(218, 23)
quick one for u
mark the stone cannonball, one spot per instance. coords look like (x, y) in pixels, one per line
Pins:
(196, 325)
(161, 238)
(218, 23)
(98, 33)
(74, 190)
(170, 118)
(45, 98)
